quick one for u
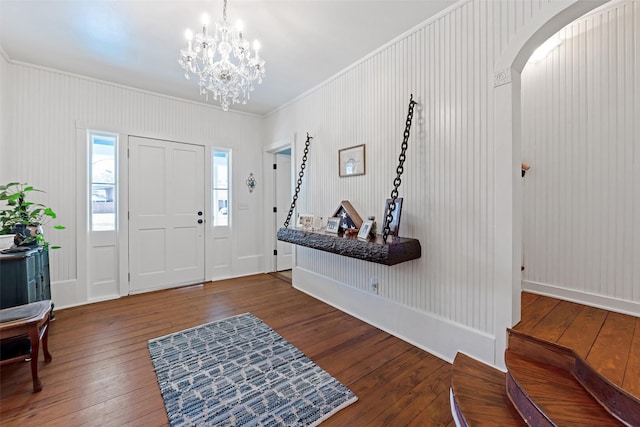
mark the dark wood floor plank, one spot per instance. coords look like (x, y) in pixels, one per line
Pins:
(631, 381)
(553, 325)
(398, 376)
(527, 298)
(431, 415)
(610, 351)
(584, 330)
(102, 375)
(535, 312)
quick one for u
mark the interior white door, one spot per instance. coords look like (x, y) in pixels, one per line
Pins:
(166, 214)
(284, 257)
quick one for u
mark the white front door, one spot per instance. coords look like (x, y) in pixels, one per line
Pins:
(283, 202)
(166, 214)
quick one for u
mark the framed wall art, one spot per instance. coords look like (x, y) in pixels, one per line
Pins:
(351, 161)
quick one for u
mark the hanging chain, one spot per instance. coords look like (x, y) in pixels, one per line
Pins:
(299, 183)
(399, 170)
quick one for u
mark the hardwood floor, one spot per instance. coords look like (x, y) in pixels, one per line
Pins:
(608, 341)
(101, 373)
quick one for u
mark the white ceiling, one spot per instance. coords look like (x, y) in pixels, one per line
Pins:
(137, 42)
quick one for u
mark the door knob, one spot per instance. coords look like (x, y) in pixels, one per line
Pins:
(199, 213)
(200, 221)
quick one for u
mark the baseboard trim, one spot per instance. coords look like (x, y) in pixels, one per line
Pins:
(581, 297)
(431, 333)
(64, 294)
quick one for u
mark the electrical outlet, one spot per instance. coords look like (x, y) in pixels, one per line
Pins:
(373, 284)
(243, 206)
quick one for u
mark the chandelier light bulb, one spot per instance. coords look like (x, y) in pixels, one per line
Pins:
(256, 46)
(188, 34)
(239, 26)
(205, 19)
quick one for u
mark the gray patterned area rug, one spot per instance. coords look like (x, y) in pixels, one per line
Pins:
(240, 372)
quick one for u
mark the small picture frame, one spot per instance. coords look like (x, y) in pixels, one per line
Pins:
(352, 161)
(305, 221)
(333, 224)
(365, 229)
(395, 222)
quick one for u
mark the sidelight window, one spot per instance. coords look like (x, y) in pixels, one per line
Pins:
(221, 209)
(103, 185)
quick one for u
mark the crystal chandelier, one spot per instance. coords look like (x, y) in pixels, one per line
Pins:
(223, 63)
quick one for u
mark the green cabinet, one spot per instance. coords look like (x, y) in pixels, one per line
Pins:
(24, 277)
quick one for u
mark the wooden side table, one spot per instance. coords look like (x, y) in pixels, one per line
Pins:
(29, 321)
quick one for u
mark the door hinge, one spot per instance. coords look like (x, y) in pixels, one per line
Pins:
(128, 153)
(129, 274)
(275, 252)
(128, 215)
(275, 209)
(275, 166)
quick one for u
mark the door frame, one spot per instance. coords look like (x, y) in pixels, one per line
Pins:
(77, 291)
(271, 228)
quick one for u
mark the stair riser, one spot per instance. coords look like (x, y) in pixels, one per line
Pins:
(551, 354)
(528, 410)
(616, 401)
(619, 404)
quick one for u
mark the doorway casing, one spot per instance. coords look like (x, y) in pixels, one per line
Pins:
(507, 157)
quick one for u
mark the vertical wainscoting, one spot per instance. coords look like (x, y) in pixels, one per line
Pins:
(46, 107)
(444, 301)
(5, 117)
(581, 137)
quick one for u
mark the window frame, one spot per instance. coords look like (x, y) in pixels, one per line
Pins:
(91, 135)
(214, 188)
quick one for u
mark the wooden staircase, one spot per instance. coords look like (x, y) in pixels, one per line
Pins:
(549, 384)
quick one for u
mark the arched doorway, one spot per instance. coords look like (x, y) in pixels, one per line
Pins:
(507, 158)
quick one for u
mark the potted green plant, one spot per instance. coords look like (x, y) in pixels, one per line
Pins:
(23, 218)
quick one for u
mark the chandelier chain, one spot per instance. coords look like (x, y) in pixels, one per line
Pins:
(299, 182)
(397, 181)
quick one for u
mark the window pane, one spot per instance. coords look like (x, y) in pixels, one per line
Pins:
(103, 161)
(103, 182)
(220, 170)
(220, 185)
(103, 207)
(220, 207)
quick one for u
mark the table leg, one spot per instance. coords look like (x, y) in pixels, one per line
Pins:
(34, 336)
(45, 343)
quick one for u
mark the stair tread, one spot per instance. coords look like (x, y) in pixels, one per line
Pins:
(480, 392)
(557, 393)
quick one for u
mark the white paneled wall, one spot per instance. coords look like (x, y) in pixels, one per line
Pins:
(46, 107)
(581, 136)
(5, 117)
(448, 182)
